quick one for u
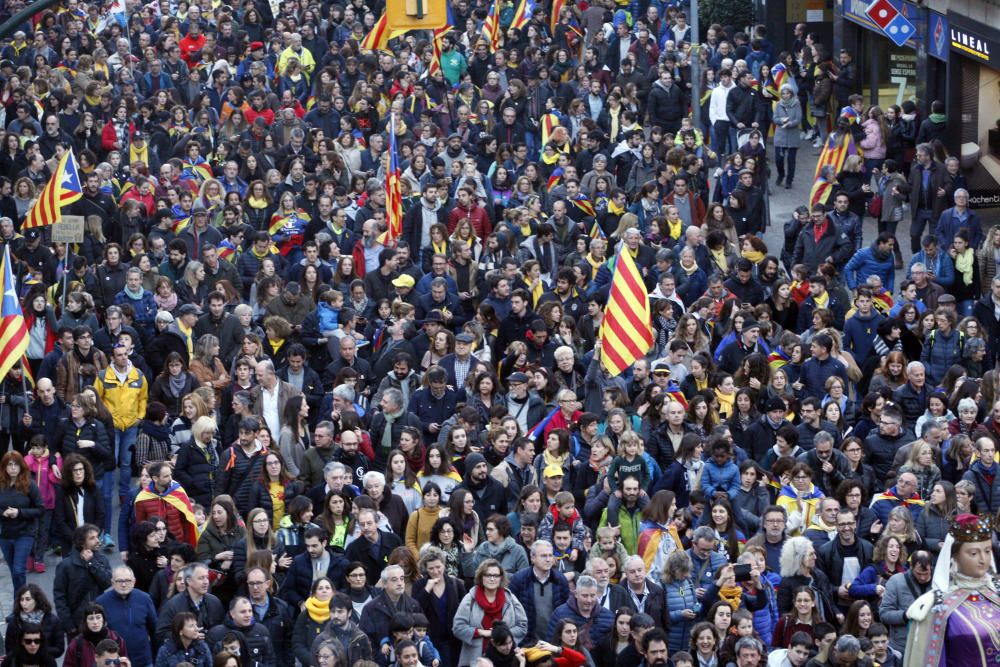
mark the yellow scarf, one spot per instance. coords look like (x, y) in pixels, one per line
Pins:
(731, 595)
(963, 264)
(551, 459)
(674, 228)
(614, 113)
(138, 154)
(188, 338)
(254, 202)
(318, 611)
(755, 256)
(440, 249)
(595, 265)
(691, 270)
(822, 301)
(615, 209)
(725, 403)
(536, 293)
(719, 257)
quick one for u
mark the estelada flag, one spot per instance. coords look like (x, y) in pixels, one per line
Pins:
(13, 331)
(626, 333)
(63, 188)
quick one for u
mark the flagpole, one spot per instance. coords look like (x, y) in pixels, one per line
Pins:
(67, 267)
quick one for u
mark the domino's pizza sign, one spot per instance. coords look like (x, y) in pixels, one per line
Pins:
(890, 19)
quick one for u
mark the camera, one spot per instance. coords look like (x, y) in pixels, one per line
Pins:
(742, 572)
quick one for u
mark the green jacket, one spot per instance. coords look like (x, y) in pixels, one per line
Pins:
(629, 525)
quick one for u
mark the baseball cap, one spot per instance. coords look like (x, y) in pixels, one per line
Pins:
(404, 280)
(553, 470)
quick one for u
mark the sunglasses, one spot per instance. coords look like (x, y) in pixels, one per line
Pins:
(31, 642)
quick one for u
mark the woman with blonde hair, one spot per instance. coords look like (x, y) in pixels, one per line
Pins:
(206, 365)
(197, 462)
(24, 196)
(192, 409)
(920, 462)
(854, 184)
(192, 288)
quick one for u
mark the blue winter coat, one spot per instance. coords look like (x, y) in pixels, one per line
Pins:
(134, 619)
(145, 308)
(940, 353)
(715, 562)
(942, 266)
(328, 317)
(765, 619)
(522, 585)
(680, 597)
(598, 627)
(726, 478)
(863, 587)
(865, 263)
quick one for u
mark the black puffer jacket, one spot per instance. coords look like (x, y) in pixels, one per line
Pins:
(55, 637)
(100, 455)
(64, 514)
(237, 472)
(195, 470)
(77, 583)
(29, 509)
(255, 639)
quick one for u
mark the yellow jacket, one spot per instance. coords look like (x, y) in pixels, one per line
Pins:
(306, 60)
(125, 400)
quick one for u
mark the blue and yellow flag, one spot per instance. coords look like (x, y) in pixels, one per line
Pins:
(13, 332)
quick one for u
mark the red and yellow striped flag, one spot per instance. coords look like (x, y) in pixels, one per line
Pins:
(838, 147)
(378, 38)
(557, 7)
(626, 333)
(491, 26)
(393, 196)
(63, 188)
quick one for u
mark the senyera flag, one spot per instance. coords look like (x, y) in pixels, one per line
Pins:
(63, 188)
(393, 196)
(627, 332)
(13, 332)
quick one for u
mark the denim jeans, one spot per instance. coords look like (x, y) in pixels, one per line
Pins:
(108, 492)
(16, 552)
(124, 441)
(781, 155)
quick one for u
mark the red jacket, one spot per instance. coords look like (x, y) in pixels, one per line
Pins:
(251, 114)
(148, 202)
(109, 137)
(477, 214)
(696, 205)
(190, 45)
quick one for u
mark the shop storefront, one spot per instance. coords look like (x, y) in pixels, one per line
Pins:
(887, 73)
(974, 106)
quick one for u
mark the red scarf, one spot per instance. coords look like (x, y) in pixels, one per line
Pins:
(819, 230)
(492, 611)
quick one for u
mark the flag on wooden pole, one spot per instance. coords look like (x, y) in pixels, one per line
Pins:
(626, 333)
(63, 188)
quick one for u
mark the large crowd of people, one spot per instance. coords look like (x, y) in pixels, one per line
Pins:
(255, 426)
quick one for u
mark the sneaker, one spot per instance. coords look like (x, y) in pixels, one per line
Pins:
(779, 181)
(788, 185)
(31, 564)
(108, 543)
(39, 567)
(818, 143)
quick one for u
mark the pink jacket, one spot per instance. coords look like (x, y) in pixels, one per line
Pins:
(44, 478)
(872, 144)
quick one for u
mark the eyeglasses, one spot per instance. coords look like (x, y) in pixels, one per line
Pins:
(124, 581)
(356, 575)
(494, 575)
(31, 642)
(256, 583)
